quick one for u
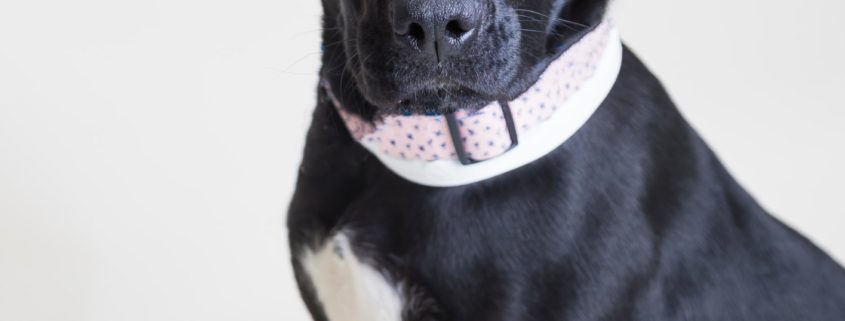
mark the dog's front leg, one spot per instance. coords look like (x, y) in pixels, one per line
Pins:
(328, 180)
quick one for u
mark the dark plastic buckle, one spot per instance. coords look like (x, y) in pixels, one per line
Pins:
(459, 144)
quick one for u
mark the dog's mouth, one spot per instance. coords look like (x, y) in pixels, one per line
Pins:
(442, 97)
(414, 92)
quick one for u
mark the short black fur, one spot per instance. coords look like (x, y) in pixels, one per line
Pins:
(633, 218)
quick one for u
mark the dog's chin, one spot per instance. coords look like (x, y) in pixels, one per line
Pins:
(443, 103)
(435, 100)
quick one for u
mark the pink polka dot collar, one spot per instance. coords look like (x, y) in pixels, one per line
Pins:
(466, 147)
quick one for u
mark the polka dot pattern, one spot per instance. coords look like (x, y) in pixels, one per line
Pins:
(484, 132)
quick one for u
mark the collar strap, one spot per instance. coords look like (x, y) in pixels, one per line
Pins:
(465, 147)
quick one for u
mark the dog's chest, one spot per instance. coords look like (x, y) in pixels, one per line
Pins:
(349, 289)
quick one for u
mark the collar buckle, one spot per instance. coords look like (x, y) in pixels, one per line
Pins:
(455, 133)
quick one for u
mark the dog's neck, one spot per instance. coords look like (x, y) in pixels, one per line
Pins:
(471, 146)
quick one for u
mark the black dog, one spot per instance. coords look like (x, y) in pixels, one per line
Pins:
(632, 218)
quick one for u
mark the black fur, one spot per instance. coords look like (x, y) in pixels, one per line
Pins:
(374, 72)
(633, 218)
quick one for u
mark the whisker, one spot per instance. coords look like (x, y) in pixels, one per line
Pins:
(313, 30)
(565, 23)
(343, 72)
(555, 19)
(530, 54)
(532, 30)
(331, 44)
(299, 60)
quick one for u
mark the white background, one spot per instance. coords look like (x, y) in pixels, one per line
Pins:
(148, 148)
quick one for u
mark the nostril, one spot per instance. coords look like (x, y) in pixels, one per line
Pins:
(416, 32)
(413, 35)
(455, 30)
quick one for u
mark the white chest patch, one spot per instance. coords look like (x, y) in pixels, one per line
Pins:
(348, 289)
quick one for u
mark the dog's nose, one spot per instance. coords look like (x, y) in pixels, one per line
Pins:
(438, 28)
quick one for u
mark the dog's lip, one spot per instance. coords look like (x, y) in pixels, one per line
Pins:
(442, 100)
(442, 88)
(442, 91)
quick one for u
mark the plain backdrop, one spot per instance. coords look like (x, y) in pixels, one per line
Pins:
(148, 149)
